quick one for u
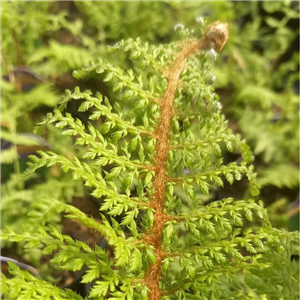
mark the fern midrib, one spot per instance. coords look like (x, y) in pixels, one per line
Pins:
(161, 178)
(163, 131)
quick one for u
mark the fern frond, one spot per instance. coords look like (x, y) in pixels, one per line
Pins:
(9, 156)
(274, 176)
(128, 81)
(26, 286)
(59, 58)
(135, 161)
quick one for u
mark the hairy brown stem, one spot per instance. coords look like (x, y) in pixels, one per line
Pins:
(215, 38)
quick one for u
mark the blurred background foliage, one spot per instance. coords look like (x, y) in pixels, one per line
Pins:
(257, 79)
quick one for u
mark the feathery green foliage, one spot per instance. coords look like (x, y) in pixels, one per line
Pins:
(19, 194)
(152, 156)
(261, 76)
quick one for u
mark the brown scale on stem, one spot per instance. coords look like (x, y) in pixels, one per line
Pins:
(215, 38)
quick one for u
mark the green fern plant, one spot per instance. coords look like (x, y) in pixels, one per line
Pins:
(152, 155)
(21, 99)
(259, 83)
